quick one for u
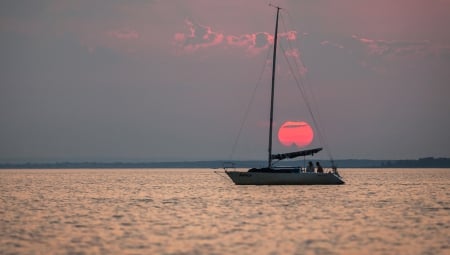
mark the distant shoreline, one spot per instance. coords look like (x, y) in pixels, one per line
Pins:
(429, 162)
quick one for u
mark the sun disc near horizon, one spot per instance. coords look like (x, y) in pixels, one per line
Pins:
(298, 133)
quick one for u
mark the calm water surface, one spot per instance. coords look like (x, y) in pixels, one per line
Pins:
(384, 211)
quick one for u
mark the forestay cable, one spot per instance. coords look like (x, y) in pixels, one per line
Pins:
(248, 106)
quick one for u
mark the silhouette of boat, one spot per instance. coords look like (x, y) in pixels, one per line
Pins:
(272, 175)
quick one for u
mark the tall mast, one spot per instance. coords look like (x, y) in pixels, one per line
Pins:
(273, 86)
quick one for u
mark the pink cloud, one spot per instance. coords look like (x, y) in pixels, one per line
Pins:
(328, 43)
(252, 43)
(295, 54)
(399, 48)
(407, 54)
(123, 40)
(290, 35)
(199, 37)
(241, 41)
(124, 34)
(256, 42)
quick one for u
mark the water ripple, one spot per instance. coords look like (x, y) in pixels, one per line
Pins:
(198, 212)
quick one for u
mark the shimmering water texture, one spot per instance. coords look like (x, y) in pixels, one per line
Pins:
(196, 211)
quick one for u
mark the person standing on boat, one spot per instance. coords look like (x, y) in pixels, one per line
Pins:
(319, 167)
(310, 167)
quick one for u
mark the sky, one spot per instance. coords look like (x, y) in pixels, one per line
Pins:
(172, 80)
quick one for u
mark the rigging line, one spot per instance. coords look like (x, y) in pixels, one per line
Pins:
(300, 65)
(233, 150)
(301, 87)
(322, 135)
(314, 115)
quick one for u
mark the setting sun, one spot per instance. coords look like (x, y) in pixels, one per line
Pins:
(297, 133)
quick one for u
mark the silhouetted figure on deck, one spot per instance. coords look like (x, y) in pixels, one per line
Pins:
(310, 167)
(319, 167)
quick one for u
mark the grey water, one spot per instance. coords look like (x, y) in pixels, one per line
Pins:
(198, 211)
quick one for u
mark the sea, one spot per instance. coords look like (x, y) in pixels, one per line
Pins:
(200, 211)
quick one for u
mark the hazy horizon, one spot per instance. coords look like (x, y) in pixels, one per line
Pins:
(171, 80)
(191, 161)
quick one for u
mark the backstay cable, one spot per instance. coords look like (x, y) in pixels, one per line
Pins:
(301, 86)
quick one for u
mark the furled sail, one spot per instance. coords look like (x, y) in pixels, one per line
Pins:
(295, 154)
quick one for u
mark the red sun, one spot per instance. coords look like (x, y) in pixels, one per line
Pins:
(299, 133)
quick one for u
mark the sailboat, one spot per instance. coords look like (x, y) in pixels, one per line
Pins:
(272, 175)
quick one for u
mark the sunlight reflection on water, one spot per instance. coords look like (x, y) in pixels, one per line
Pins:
(384, 211)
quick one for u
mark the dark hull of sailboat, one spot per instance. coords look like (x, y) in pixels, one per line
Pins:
(283, 178)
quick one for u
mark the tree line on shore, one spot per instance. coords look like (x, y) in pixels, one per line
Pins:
(429, 162)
